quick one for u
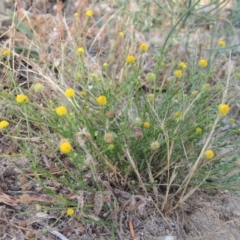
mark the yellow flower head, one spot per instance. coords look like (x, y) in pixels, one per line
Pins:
(143, 47)
(6, 52)
(65, 147)
(69, 93)
(224, 109)
(146, 125)
(21, 98)
(3, 124)
(121, 34)
(70, 212)
(198, 130)
(102, 100)
(183, 65)
(238, 75)
(130, 59)
(76, 14)
(178, 73)
(105, 65)
(111, 146)
(155, 145)
(222, 43)
(209, 154)
(203, 63)
(177, 114)
(61, 111)
(80, 50)
(89, 13)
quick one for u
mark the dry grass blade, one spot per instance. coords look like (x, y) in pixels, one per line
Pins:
(135, 169)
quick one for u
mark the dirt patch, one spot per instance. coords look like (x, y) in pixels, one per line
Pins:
(206, 215)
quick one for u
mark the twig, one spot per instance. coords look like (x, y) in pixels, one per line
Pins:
(131, 229)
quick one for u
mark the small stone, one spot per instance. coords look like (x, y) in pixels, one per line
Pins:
(170, 238)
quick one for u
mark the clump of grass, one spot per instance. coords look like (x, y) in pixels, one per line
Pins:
(156, 122)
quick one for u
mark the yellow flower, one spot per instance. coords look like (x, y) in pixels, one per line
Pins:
(3, 124)
(6, 52)
(183, 65)
(222, 43)
(146, 125)
(178, 73)
(121, 34)
(89, 13)
(65, 147)
(69, 93)
(102, 100)
(76, 14)
(238, 75)
(232, 120)
(209, 154)
(105, 64)
(203, 63)
(109, 137)
(70, 212)
(143, 47)
(224, 109)
(155, 145)
(111, 146)
(130, 59)
(21, 98)
(177, 114)
(198, 130)
(61, 111)
(83, 93)
(80, 50)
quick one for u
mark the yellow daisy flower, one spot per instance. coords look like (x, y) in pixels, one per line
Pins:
(143, 47)
(203, 63)
(70, 212)
(209, 154)
(61, 110)
(3, 124)
(130, 59)
(146, 125)
(224, 109)
(21, 98)
(102, 100)
(89, 13)
(65, 147)
(69, 93)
